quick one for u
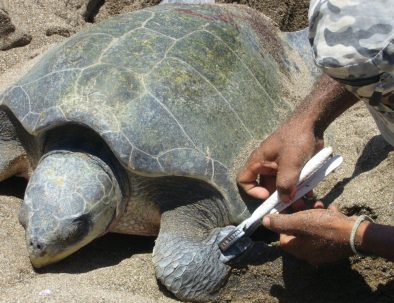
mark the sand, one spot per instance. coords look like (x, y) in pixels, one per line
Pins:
(118, 268)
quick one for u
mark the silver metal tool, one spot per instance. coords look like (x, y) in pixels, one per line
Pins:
(314, 171)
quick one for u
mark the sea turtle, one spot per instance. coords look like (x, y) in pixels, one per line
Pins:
(133, 126)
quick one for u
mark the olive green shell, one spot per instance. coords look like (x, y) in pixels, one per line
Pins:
(172, 89)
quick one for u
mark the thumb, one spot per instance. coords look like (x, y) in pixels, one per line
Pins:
(286, 224)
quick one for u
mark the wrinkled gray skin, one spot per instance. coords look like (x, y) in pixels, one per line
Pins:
(133, 125)
(77, 188)
(13, 159)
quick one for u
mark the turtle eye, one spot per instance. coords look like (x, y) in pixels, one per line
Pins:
(77, 230)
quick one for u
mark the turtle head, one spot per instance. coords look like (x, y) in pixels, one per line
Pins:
(71, 199)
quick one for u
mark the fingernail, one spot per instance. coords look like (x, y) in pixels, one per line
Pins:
(266, 221)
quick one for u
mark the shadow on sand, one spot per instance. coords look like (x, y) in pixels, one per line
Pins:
(376, 150)
(108, 250)
(332, 283)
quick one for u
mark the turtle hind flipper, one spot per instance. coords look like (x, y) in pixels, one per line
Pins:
(13, 158)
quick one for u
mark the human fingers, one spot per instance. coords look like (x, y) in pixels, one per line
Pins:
(286, 242)
(314, 251)
(306, 202)
(306, 248)
(333, 207)
(300, 247)
(284, 224)
(289, 169)
(247, 178)
(318, 205)
(258, 192)
(268, 182)
(298, 205)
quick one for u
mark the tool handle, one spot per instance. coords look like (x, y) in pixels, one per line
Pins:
(273, 201)
(310, 183)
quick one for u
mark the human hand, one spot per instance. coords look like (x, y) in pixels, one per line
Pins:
(278, 161)
(317, 236)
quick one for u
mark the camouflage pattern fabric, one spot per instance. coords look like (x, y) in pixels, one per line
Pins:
(385, 122)
(353, 42)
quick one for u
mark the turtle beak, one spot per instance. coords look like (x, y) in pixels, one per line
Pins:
(46, 247)
(70, 200)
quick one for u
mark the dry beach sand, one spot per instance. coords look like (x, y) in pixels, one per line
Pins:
(118, 268)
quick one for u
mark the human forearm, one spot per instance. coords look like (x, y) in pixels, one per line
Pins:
(376, 239)
(328, 100)
(280, 157)
(323, 236)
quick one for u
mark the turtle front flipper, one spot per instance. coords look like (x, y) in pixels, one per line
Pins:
(186, 255)
(13, 158)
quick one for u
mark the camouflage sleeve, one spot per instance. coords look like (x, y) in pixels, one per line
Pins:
(352, 38)
(353, 42)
